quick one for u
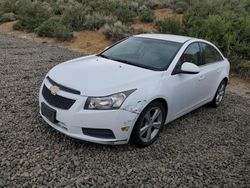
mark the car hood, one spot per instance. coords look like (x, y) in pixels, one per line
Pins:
(97, 76)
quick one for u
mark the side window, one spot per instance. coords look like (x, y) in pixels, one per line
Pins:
(192, 54)
(210, 54)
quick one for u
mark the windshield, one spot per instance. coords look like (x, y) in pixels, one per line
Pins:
(148, 53)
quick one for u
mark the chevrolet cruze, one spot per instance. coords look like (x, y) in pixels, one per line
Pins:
(130, 90)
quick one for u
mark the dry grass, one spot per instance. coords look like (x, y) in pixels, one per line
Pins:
(7, 27)
(84, 41)
(166, 12)
(88, 42)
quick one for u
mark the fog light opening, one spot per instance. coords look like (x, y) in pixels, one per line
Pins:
(125, 129)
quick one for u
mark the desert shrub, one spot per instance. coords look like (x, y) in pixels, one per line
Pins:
(213, 29)
(7, 17)
(53, 27)
(60, 6)
(158, 4)
(93, 22)
(7, 6)
(170, 25)
(242, 44)
(31, 15)
(242, 69)
(48, 7)
(179, 6)
(124, 13)
(124, 10)
(116, 31)
(225, 23)
(96, 21)
(146, 14)
(74, 17)
(102, 6)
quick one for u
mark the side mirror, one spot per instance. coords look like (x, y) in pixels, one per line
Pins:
(189, 68)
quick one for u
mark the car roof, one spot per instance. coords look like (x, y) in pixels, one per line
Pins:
(167, 37)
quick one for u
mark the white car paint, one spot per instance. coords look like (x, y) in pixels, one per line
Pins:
(96, 76)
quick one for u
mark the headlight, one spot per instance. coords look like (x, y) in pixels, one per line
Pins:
(108, 102)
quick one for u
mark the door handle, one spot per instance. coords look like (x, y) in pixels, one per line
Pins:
(201, 77)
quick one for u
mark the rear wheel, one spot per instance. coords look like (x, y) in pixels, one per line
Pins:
(149, 124)
(219, 95)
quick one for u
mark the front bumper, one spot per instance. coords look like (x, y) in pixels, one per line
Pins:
(71, 121)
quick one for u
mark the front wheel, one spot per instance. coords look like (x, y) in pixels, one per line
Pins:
(219, 95)
(148, 125)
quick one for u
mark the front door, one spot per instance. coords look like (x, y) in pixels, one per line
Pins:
(188, 91)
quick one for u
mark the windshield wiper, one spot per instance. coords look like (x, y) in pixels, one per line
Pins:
(114, 59)
(104, 56)
(119, 60)
(132, 63)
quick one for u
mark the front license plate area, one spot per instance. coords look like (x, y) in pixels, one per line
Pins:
(49, 113)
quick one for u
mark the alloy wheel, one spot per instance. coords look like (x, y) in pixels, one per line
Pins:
(220, 93)
(151, 124)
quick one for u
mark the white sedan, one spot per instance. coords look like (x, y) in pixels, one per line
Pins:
(130, 90)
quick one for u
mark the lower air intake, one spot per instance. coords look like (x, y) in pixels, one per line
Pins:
(99, 133)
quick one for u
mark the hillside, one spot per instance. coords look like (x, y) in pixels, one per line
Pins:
(90, 26)
(87, 41)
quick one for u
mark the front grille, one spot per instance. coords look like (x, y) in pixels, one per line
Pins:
(57, 100)
(99, 133)
(69, 90)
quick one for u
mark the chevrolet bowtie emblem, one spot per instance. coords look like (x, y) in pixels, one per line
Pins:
(54, 90)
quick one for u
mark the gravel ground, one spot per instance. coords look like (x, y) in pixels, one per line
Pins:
(206, 148)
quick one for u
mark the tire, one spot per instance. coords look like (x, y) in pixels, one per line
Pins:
(219, 95)
(149, 124)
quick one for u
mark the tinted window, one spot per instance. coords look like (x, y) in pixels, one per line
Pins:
(144, 52)
(192, 54)
(210, 54)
